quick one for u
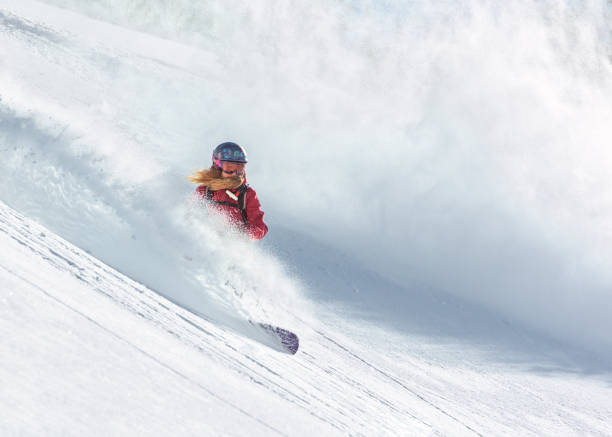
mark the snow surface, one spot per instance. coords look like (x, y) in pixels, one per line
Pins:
(88, 351)
(416, 315)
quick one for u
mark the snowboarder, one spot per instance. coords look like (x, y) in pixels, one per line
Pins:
(224, 185)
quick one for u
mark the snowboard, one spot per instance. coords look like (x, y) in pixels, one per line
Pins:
(282, 340)
(275, 337)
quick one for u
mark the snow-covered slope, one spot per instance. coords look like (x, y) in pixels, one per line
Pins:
(87, 351)
(410, 302)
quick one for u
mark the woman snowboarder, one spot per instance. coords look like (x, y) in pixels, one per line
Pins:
(224, 185)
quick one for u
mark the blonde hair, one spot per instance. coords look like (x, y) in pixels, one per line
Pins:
(212, 179)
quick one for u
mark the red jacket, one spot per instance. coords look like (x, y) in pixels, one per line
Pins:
(256, 228)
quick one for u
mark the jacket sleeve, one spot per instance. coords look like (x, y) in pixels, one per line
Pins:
(200, 192)
(256, 228)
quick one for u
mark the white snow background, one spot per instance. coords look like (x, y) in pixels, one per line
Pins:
(435, 178)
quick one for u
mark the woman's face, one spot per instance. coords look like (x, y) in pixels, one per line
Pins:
(230, 169)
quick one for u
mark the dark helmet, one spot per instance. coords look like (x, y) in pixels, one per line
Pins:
(228, 152)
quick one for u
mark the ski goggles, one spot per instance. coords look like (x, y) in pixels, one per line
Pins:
(231, 167)
(230, 164)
